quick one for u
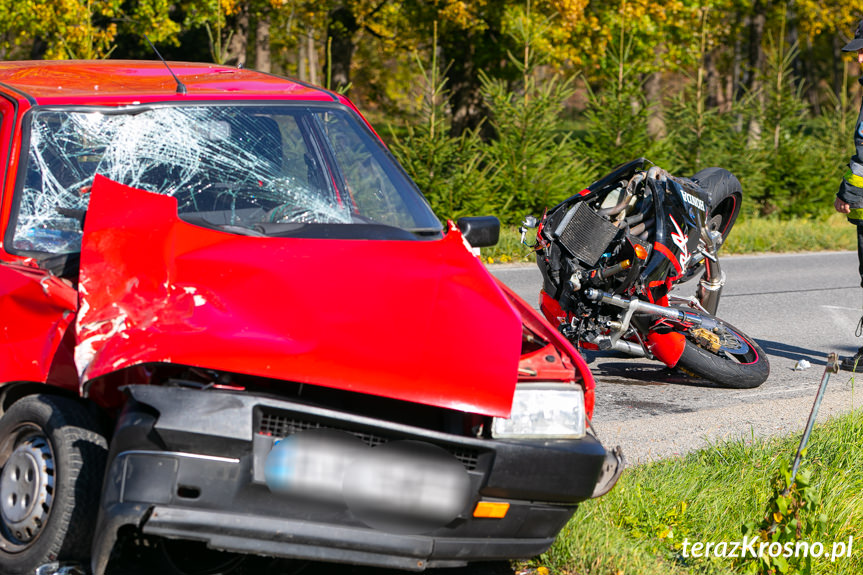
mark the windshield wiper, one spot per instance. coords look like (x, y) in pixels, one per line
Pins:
(231, 228)
(333, 231)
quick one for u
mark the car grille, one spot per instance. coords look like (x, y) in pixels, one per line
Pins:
(281, 425)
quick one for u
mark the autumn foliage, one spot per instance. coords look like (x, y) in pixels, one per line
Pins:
(506, 106)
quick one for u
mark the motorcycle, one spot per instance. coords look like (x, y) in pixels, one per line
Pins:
(610, 255)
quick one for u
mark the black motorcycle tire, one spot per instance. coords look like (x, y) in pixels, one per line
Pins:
(726, 196)
(736, 371)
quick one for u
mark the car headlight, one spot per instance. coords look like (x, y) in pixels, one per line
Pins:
(550, 410)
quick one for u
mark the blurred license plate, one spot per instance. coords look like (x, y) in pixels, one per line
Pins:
(401, 485)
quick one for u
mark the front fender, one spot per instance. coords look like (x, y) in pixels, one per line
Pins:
(567, 365)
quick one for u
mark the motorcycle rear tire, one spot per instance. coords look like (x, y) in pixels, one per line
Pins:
(726, 195)
(745, 370)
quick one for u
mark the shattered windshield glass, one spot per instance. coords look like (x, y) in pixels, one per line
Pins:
(256, 168)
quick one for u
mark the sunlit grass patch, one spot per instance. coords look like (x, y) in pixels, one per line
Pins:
(707, 496)
(755, 235)
(752, 235)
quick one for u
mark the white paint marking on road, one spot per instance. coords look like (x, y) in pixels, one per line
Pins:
(812, 387)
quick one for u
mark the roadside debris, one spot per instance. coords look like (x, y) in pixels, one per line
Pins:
(801, 365)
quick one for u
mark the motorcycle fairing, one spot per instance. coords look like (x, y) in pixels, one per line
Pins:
(420, 321)
(677, 211)
(666, 347)
(676, 233)
(623, 171)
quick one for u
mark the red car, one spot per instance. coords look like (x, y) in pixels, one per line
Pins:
(229, 317)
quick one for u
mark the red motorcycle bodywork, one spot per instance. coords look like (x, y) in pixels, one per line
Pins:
(666, 347)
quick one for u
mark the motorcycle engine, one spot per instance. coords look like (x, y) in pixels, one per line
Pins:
(598, 240)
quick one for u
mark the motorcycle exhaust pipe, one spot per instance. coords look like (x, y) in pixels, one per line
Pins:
(606, 343)
(635, 306)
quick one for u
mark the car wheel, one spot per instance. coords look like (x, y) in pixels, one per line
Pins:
(52, 461)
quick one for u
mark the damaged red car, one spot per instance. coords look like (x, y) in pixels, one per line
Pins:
(229, 318)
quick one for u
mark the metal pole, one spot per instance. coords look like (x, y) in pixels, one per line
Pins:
(831, 367)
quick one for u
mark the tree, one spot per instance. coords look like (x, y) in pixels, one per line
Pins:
(226, 23)
(345, 20)
(61, 29)
(824, 27)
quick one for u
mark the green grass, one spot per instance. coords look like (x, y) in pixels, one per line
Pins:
(753, 235)
(509, 248)
(708, 495)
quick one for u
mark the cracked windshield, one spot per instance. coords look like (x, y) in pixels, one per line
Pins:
(253, 170)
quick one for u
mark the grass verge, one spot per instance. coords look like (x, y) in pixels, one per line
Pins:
(707, 496)
(753, 235)
(761, 235)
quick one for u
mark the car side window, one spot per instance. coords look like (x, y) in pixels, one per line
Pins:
(60, 165)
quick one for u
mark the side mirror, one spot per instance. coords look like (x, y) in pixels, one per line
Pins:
(480, 231)
(529, 222)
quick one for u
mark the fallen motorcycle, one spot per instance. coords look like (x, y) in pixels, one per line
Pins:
(610, 255)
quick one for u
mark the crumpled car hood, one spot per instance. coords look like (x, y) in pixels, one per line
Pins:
(417, 321)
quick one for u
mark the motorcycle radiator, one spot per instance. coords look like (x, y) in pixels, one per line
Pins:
(585, 234)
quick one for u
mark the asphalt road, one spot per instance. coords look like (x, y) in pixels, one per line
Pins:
(796, 306)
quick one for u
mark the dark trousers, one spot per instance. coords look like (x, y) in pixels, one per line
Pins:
(860, 249)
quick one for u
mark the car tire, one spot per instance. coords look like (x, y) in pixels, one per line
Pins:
(52, 463)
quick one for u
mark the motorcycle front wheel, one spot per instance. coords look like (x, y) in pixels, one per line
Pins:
(725, 356)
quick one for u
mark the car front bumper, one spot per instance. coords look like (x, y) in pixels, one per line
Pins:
(189, 464)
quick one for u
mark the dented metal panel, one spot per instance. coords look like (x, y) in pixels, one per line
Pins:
(564, 355)
(419, 321)
(36, 308)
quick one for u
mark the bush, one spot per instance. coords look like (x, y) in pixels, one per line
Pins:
(453, 172)
(535, 165)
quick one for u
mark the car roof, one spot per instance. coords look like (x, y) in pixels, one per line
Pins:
(130, 81)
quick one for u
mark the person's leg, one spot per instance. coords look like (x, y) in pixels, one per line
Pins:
(855, 362)
(860, 251)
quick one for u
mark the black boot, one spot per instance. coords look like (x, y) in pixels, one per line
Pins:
(853, 363)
